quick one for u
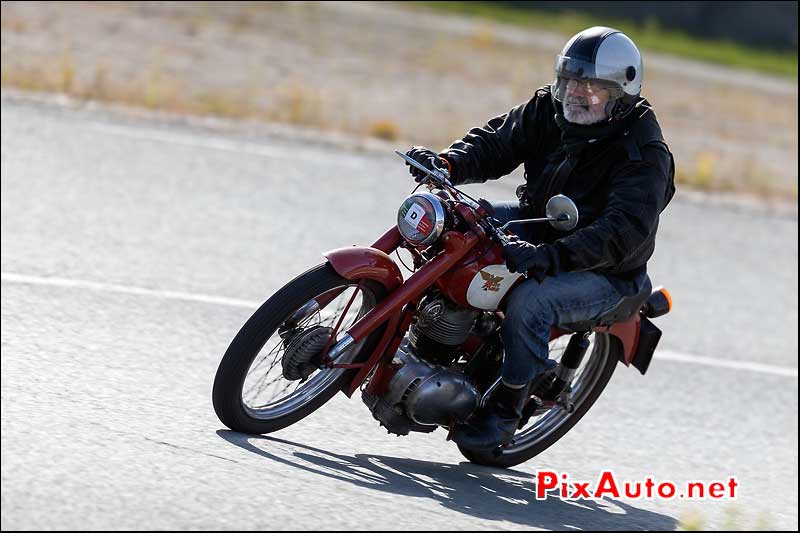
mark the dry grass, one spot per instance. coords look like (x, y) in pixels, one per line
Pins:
(755, 183)
(388, 130)
(291, 102)
(333, 67)
(153, 90)
(702, 173)
(732, 519)
(298, 103)
(484, 36)
(692, 522)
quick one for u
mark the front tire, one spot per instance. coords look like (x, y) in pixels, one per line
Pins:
(543, 431)
(241, 370)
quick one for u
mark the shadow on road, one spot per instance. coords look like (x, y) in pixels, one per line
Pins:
(482, 492)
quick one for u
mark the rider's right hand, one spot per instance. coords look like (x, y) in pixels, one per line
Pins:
(537, 261)
(427, 158)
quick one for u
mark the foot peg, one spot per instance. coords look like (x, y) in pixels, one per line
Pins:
(564, 401)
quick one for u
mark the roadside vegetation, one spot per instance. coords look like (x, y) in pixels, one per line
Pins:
(649, 36)
(368, 71)
(732, 519)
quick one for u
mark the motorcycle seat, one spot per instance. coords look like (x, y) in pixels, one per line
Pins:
(621, 312)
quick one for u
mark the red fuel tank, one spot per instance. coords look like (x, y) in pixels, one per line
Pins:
(480, 280)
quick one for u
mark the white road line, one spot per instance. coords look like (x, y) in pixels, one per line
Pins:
(665, 355)
(661, 355)
(126, 289)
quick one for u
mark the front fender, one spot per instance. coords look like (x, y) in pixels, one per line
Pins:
(363, 262)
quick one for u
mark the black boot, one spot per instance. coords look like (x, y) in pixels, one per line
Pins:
(494, 425)
(548, 385)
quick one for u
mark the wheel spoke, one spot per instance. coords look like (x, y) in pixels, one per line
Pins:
(258, 385)
(266, 393)
(306, 321)
(261, 361)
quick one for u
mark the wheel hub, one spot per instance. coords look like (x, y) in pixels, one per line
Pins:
(302, 355)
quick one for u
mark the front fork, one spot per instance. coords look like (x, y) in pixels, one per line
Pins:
(393, 309)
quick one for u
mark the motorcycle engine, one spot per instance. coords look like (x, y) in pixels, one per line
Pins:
(441, 327)
(422, 396)
(425, 392)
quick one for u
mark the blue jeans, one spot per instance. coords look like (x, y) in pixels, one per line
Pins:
(532, 308)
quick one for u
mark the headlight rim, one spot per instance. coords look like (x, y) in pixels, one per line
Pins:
(440, 217)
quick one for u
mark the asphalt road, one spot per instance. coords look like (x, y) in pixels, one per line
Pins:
(132, 252)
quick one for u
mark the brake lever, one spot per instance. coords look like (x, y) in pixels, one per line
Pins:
(497, 234)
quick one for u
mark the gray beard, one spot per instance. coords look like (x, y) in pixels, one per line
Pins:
(578, 115)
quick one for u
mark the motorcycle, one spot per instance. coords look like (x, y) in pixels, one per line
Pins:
(425, 352)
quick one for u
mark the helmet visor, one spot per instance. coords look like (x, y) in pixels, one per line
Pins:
(584, 83)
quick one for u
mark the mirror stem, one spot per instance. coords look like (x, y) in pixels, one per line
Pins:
(527, 220)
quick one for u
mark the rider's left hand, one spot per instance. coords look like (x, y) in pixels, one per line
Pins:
(538, 261)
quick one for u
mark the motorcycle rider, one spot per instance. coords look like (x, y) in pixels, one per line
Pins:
(591, 136)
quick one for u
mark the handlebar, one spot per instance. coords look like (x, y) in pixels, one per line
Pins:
(440, 177)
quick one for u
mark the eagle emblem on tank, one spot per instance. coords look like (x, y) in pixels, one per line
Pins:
(492, 283)
(488, 286)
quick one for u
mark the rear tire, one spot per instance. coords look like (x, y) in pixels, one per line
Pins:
(259, 329)
(522, 449)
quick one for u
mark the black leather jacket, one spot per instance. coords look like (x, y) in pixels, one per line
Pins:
(620, 182)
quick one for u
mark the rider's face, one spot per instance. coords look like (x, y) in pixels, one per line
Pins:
(586, 92)
(585, 101)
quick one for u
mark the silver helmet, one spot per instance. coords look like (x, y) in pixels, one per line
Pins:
(599, 65)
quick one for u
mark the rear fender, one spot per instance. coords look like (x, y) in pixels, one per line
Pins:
(638, 337)
(627, 333)
(363, 262)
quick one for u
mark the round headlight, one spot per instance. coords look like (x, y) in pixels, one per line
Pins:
(421, 218)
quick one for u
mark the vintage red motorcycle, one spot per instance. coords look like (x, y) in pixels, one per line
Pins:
(426, 351)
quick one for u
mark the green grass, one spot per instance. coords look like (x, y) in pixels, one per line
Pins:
(648, 36)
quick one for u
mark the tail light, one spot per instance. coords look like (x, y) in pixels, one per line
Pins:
(658, 304)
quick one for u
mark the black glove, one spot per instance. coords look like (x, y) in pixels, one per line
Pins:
(427, 158)
(538, 261)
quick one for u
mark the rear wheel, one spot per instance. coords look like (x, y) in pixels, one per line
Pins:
(549, 425)
(251, 393)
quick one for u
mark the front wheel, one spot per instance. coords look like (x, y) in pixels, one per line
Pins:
(546, 427)
(251, 393)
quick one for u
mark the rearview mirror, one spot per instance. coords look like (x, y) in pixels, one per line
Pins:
(562, 212)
